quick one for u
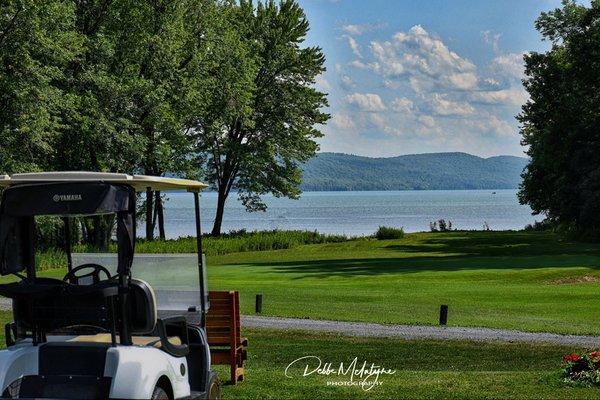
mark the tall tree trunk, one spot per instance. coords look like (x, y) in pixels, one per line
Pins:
(216, 231)
(161, 216)
(149, 215)
(107, 223)
(99, 230)
(225, 183)
(154, 212)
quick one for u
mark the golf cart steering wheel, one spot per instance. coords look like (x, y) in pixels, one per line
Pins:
(89, 278)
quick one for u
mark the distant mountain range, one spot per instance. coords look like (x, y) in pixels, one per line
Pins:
(435, 171)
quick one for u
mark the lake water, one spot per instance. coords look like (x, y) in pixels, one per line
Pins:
(357, 213)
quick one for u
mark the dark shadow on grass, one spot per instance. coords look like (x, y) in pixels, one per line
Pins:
(498, 244)
(465, 251)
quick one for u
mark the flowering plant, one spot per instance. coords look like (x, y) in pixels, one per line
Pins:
(583, 368)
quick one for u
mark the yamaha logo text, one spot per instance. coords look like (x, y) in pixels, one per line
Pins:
(66, 197)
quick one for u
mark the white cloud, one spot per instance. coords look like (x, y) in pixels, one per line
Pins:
(440, 105)
(417, 53)
(416, 95)
(342, 121)
(402, 105)
(323, 84)
(380, 121)
(347, 82)
(461, 81)
(358, 64)
(516, 96)
(427, 121)
(493, 39)
(492, 124)
(360, 29)
(509, 66)
(366, 102)
(491, 82)
(354, 46)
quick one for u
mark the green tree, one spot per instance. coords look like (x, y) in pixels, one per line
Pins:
(159, 54)
(129, 92)
(103, 85)
(37, 42)
(560, 122)
(260, 123)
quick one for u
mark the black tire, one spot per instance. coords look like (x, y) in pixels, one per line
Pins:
(214, 391)
(12, 391)
(160, 394)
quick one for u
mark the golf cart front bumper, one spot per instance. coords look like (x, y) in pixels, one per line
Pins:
(89, 371)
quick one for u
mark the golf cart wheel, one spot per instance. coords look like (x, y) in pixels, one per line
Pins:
(214, 387)
(160, 394)
(12, 391)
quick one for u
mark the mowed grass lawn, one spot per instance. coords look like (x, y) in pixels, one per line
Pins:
(423, 369)
(514, 280)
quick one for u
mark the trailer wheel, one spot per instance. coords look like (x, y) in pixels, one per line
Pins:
(214, 387)
(159, 394)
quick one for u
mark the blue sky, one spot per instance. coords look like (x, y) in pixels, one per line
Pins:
(424, 76)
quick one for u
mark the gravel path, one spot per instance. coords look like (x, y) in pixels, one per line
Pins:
(409, 332)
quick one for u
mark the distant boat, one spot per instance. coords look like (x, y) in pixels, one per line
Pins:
(493, 192)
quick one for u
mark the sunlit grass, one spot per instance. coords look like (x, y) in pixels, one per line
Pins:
(424, 369)
(514, 280)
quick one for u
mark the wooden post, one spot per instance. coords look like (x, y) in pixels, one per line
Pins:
(259, 298)
(443, 314)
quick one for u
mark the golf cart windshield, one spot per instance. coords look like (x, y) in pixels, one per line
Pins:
(174, 277)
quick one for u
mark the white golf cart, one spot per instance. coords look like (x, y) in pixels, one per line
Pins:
(100, 332)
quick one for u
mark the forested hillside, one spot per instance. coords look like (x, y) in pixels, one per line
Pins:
(335, 171)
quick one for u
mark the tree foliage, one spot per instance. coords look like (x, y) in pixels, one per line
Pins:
(560, 122)
(262, 123)
(160, 87)
(37, 43)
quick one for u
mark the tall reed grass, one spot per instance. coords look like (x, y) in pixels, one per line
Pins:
(233, 242)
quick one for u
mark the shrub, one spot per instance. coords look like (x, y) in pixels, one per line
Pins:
(51, 259)
(49, 232)
(584, 369)
(440, 226)
(546, 225)
(386, 232)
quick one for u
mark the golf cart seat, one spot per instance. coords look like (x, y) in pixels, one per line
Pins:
(153, 341)
(142, 307)
(146, 328)
(56, 305)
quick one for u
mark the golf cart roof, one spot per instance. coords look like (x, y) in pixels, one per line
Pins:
(139, 182)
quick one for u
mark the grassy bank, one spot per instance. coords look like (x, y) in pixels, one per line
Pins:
(516, 280)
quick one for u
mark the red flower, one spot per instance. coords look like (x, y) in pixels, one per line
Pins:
(572, 357)
(595, 354)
